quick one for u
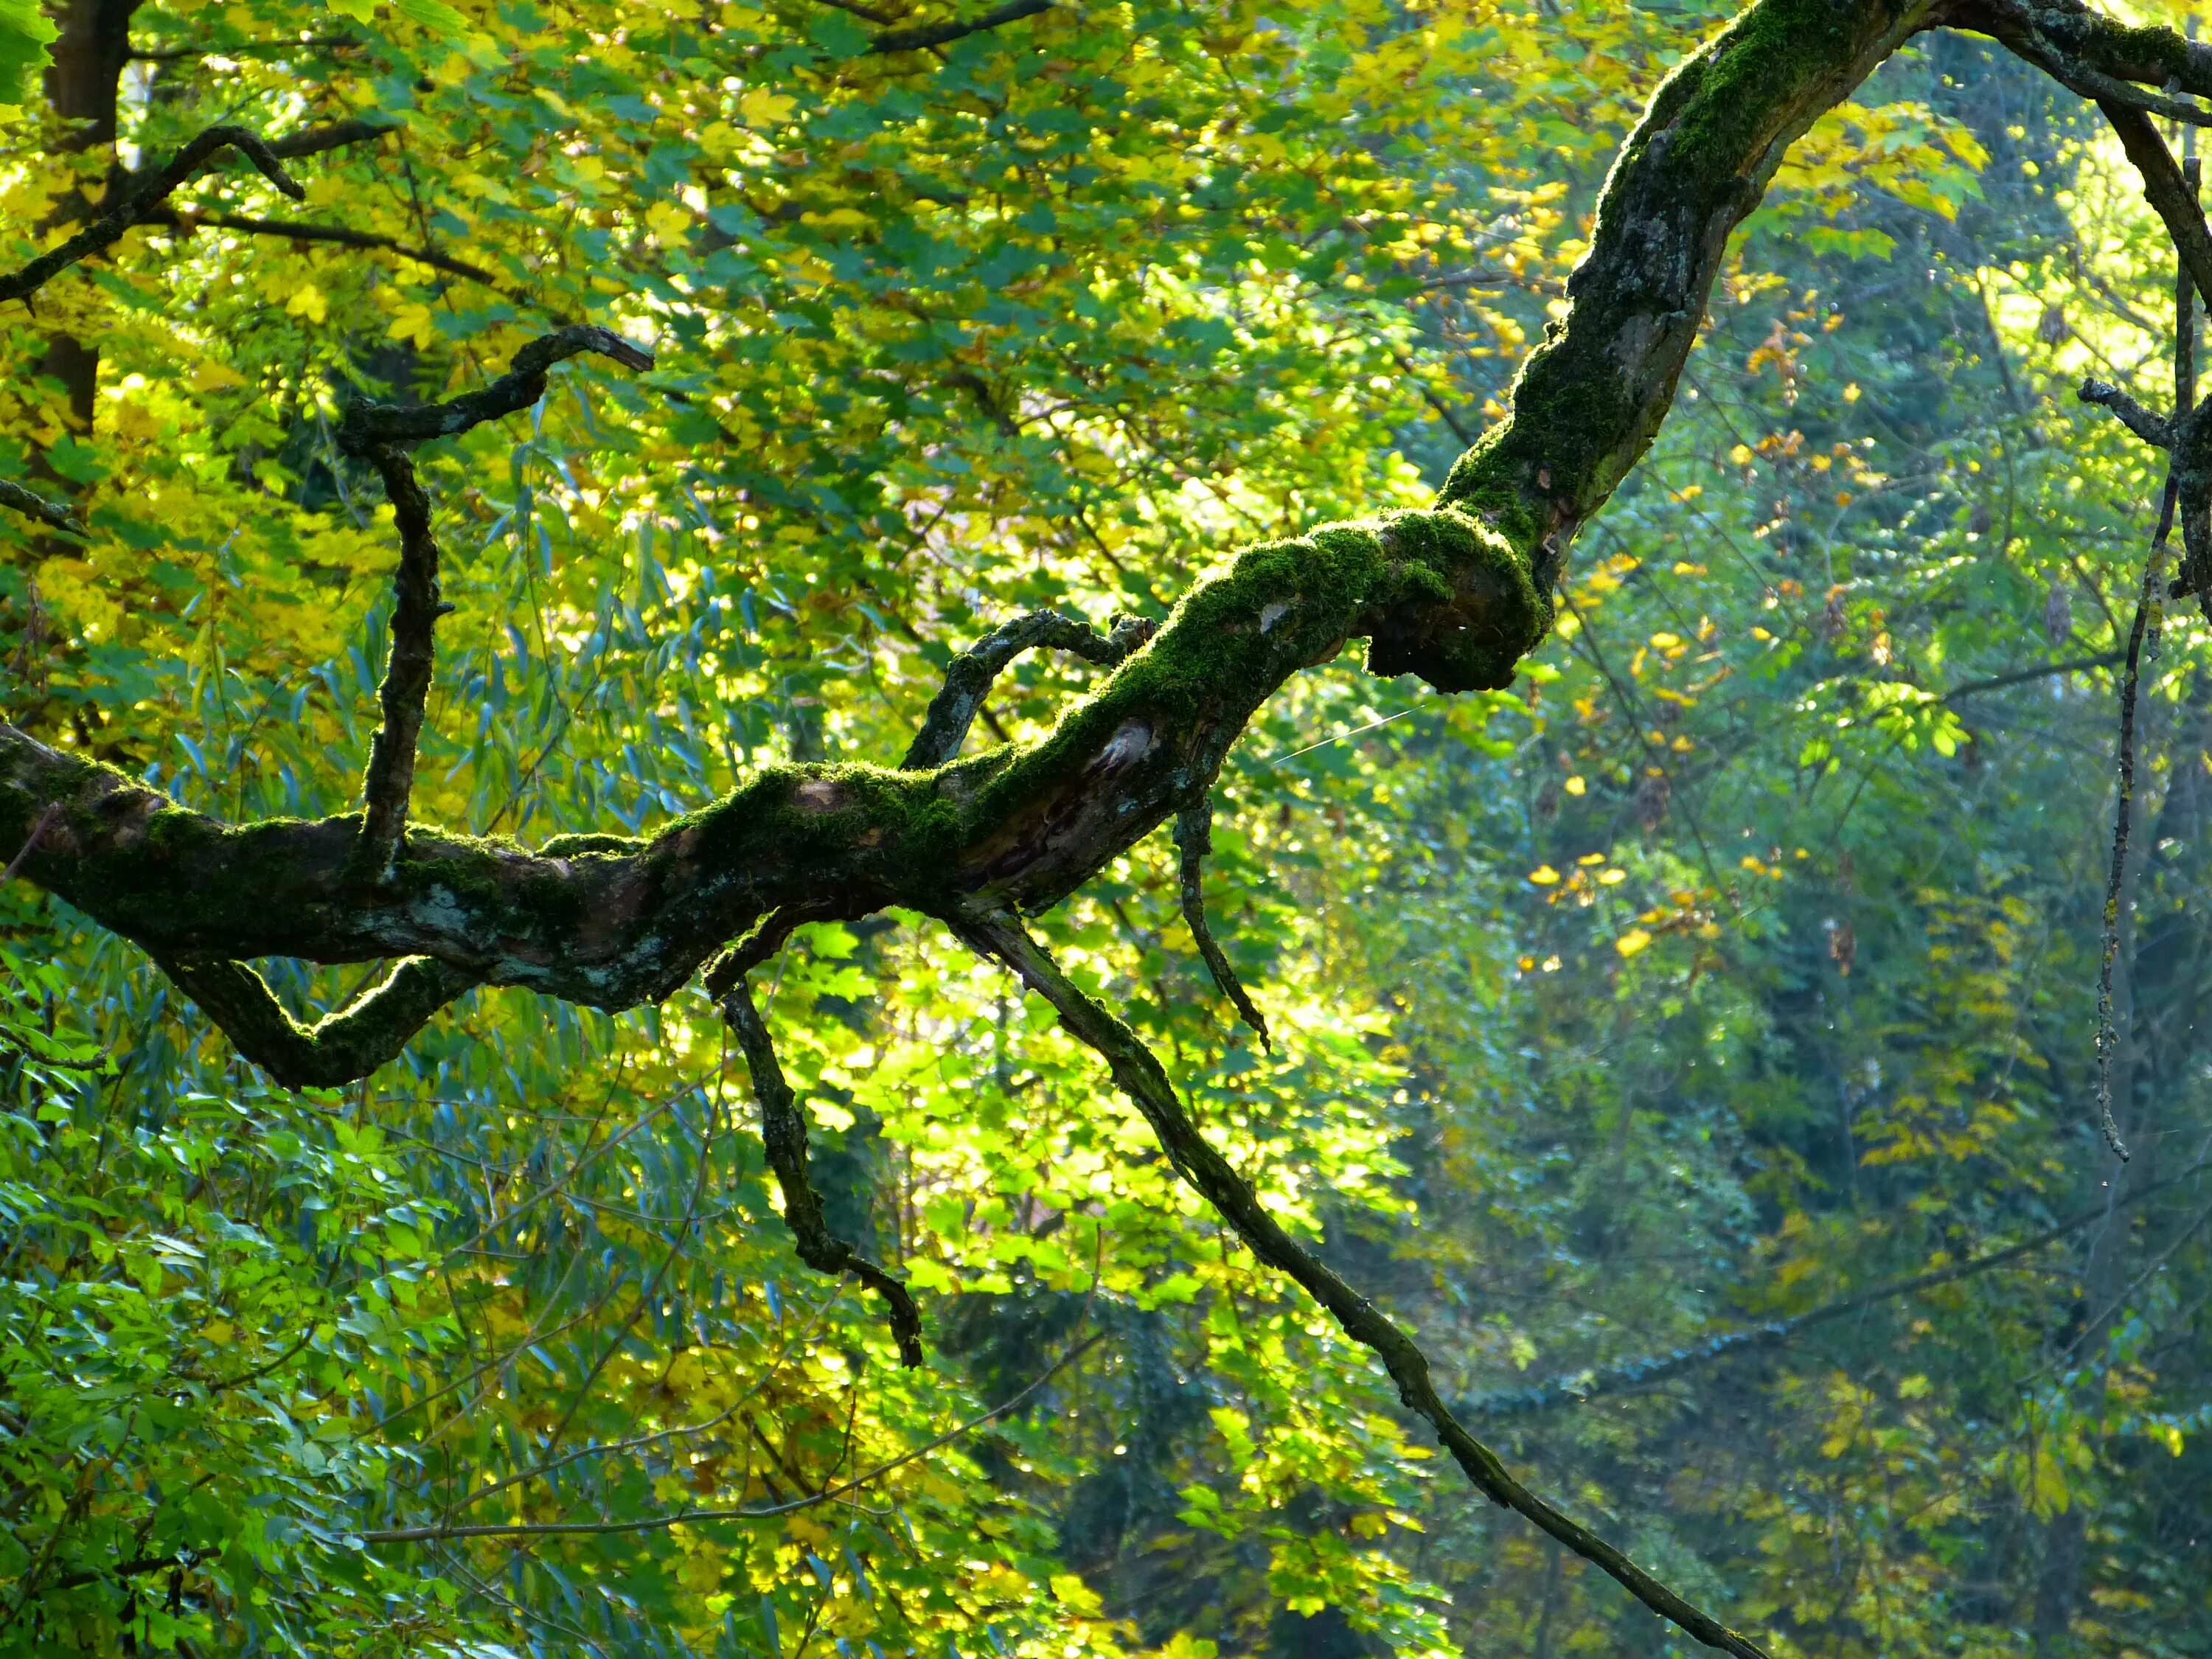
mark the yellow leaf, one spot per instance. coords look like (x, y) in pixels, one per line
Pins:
(1632, 941)
(1078, 1597)
(1544, 875)
(412, 323)
(307, 301)
(763, 108)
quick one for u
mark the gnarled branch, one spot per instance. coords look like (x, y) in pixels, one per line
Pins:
(365, 425)
(968, 680)
(336, 1049)
(404, 694)
(382, 433)
(922, 36)
(783, 1135)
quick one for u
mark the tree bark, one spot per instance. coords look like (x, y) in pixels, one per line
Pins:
(1457, 594)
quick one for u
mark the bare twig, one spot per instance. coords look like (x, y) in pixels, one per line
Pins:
(925, 35)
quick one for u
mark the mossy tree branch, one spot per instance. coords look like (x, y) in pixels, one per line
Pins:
(968, 680)
(1456, 594)
(337, 1050)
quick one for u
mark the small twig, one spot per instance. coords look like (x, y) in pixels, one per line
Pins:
(1194, 839)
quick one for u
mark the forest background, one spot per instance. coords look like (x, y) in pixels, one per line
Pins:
(1694, 1043)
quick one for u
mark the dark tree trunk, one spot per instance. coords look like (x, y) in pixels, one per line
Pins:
(82, 85)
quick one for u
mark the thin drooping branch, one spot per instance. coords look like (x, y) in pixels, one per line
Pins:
(1621, 1377)
(1139, 1075)
(925, 35)
(2181, 489)
(1073, 1352)
(2166, 192)
(1194, 839)
(293, 230)
(783, 1135)
(32, 505)
(367, 1034)
(404, 694)
(142, 199)
(968, 679)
